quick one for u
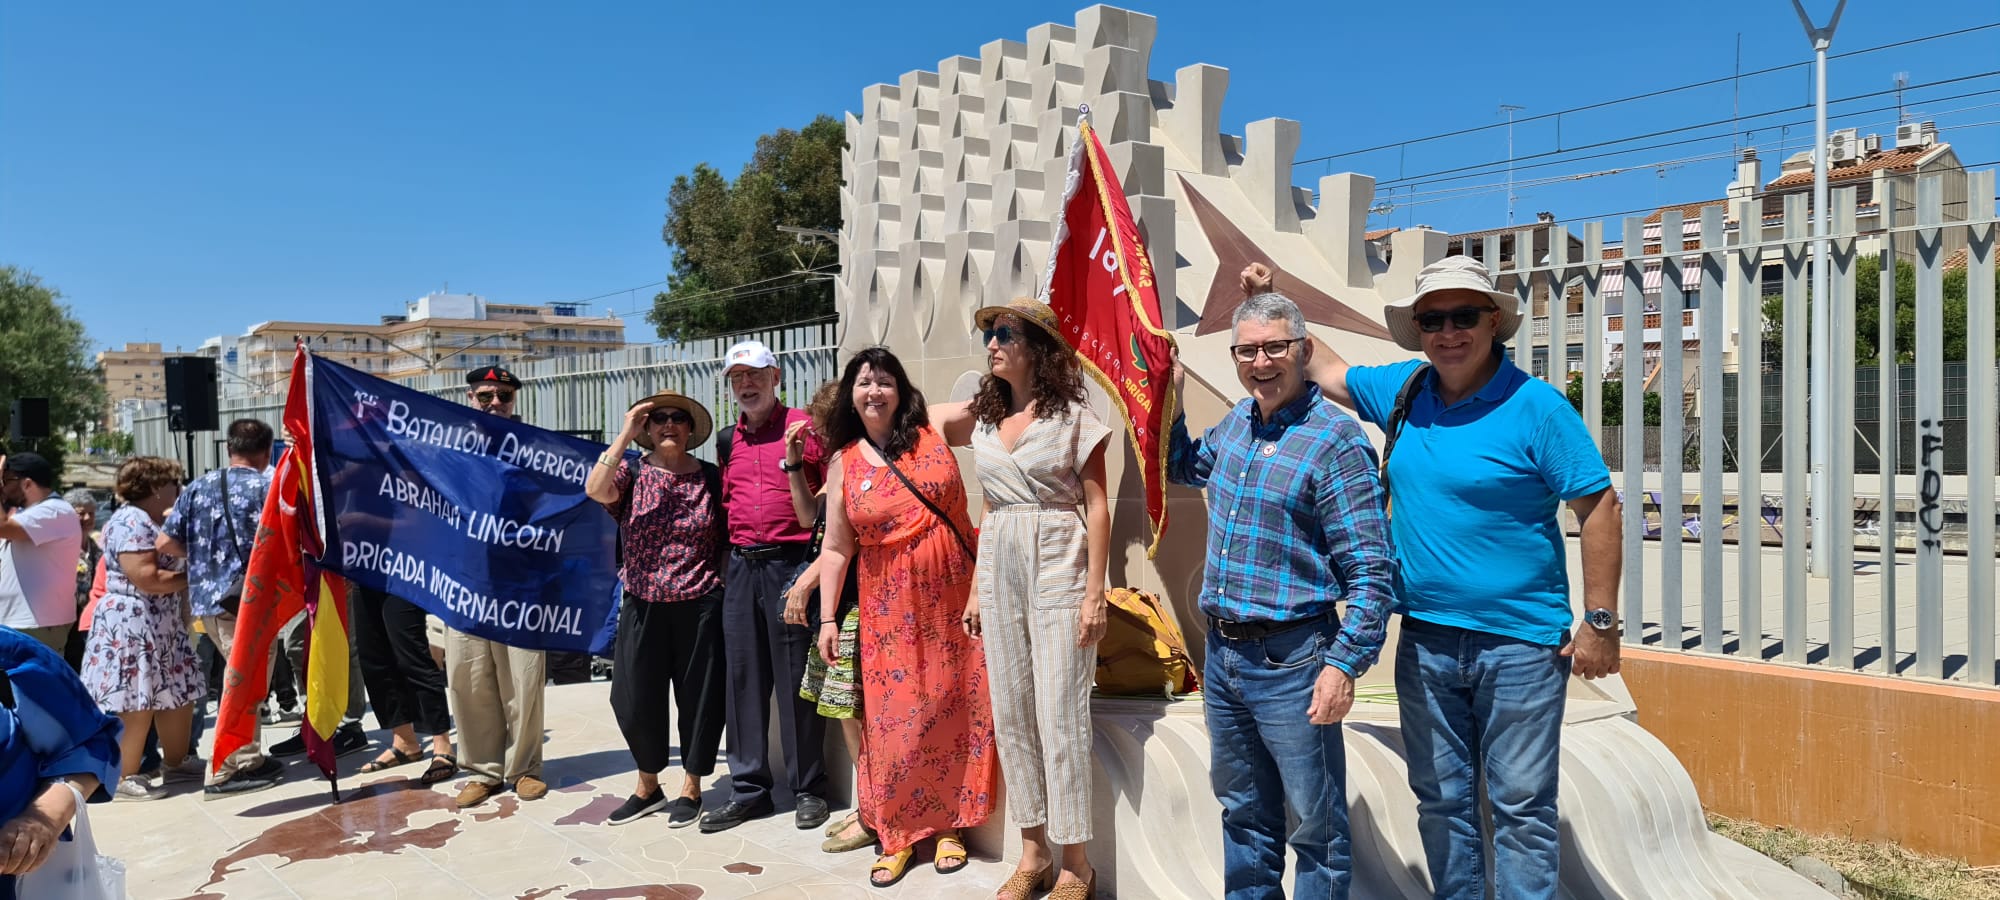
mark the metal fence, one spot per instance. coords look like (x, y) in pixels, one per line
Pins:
(1925, 616)
(586, 395)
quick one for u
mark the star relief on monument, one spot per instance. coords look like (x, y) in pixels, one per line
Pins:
(1233, 251)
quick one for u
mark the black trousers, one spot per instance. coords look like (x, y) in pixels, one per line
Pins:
(663, 647)
(405, 685)
(568, 668)
(767, 655)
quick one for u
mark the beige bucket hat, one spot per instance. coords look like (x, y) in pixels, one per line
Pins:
(704, 424)
(1450, 273)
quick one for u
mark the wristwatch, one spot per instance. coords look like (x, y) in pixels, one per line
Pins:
(787, 467)
(1600, 618)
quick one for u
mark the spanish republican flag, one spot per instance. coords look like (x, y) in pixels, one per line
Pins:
(1100, 284)
(280, 581)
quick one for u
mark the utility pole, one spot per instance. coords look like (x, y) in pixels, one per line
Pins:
(1510, 109)
(1819, 432)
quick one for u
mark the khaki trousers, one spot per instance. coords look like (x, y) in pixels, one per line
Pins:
(54, 637)
(496, 698)
(222, 630)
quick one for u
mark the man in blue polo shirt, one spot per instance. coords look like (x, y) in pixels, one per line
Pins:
(1476, 475)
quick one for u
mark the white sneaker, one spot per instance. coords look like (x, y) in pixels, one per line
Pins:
(192, 769)
(135, 788)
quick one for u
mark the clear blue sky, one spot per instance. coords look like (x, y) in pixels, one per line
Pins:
(184, 170)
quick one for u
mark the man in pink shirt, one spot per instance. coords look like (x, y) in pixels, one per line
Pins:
(767, 548)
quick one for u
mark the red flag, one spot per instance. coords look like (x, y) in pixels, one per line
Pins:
(1100, 284)
(279, 582)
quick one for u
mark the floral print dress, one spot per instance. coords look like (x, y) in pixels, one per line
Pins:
(931, 764)
(141, 655)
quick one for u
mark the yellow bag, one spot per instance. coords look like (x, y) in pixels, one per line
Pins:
(1143, 653)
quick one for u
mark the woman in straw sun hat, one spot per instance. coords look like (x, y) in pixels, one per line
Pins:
(669, 510)
(1040, 604)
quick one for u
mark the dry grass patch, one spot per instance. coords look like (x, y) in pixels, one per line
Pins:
(1883, 871)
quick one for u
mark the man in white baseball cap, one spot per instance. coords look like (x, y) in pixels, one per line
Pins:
(767, 549)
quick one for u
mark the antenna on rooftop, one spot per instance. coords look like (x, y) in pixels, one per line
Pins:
(1902, 82)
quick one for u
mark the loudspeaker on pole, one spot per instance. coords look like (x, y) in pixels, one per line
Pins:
(191, 394)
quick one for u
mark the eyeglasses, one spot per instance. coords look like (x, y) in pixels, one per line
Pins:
(1004, 334)
(1272, 350)
(484, 397)
(669, 417)
(1461, 318)
(742, 377)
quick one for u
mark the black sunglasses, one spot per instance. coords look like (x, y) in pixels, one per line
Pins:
(494, 396)
(669, 417)
(1005, 334)
(1461, 318)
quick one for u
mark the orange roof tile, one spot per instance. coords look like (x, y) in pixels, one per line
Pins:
(1899, 158)
(1957, 259)
(1379, 234)
(1689, 211)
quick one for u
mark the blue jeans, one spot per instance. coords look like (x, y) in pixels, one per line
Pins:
(1484, 711)
(1266, 757)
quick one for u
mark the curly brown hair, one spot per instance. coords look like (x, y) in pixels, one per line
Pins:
(1058, 384)
(825, 403)
(140, 476)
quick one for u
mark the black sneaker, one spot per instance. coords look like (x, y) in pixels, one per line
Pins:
(265, 775)
(637, 807)
(349, 739)
(734, 814)
(682, 812)
(290, 747)
(811, 812)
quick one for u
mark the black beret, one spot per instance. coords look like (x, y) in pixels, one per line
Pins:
(493, 374)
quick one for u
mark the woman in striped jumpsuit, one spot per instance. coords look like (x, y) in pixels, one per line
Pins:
(1038, 603)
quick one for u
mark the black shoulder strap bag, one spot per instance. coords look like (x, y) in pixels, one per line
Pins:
(232, 598)
(1401, 411)
(963, 544)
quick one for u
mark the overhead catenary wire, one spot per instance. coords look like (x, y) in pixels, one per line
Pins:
(1660, 92)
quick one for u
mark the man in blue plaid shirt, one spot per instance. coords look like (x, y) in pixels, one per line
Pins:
(1296, 525)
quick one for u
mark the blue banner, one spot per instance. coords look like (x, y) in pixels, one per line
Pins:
(479, 519)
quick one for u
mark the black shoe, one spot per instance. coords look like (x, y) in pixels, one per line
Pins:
(637, 807)
(811, 812)
(682, 812)
(290, 747)
(349, 739)
(265, 775)
(736, 813)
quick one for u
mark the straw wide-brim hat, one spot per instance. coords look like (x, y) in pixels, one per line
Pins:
(1452, 273)
(1031, 311)
(704, 424)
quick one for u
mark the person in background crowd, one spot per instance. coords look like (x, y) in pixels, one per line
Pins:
(85, 504)
(1040, 606)
(349, 737)
(1295, 526)
(405, 684)
(1488, 458)
(834, 687)
(669, 648)
(212, 526)
(44, 540)
(140, 662)
(496, 690)
(896, 508)
(768, 548)
(52, 737)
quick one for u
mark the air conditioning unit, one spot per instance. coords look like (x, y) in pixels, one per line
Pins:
(1871, 145)
(1909, 134)
(1843, 145)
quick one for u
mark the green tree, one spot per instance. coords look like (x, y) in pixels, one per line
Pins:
(1868, 315)
(733, 269)
(45, 353)
(1612, 402)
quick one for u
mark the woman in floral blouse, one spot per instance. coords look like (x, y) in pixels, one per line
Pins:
(669, 508)
(140, 663)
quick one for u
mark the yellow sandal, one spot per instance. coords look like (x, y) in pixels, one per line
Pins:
(949, 847)
(896, 864)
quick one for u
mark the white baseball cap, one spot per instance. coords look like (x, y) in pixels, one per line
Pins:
(750, 354)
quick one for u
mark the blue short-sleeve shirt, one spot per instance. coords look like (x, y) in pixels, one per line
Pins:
(1474, 491)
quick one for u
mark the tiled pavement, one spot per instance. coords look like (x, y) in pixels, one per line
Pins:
(391, 837)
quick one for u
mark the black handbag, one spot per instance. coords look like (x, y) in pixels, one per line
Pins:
(232, 597)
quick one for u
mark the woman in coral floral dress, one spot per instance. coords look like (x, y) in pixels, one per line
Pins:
(931, 763)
